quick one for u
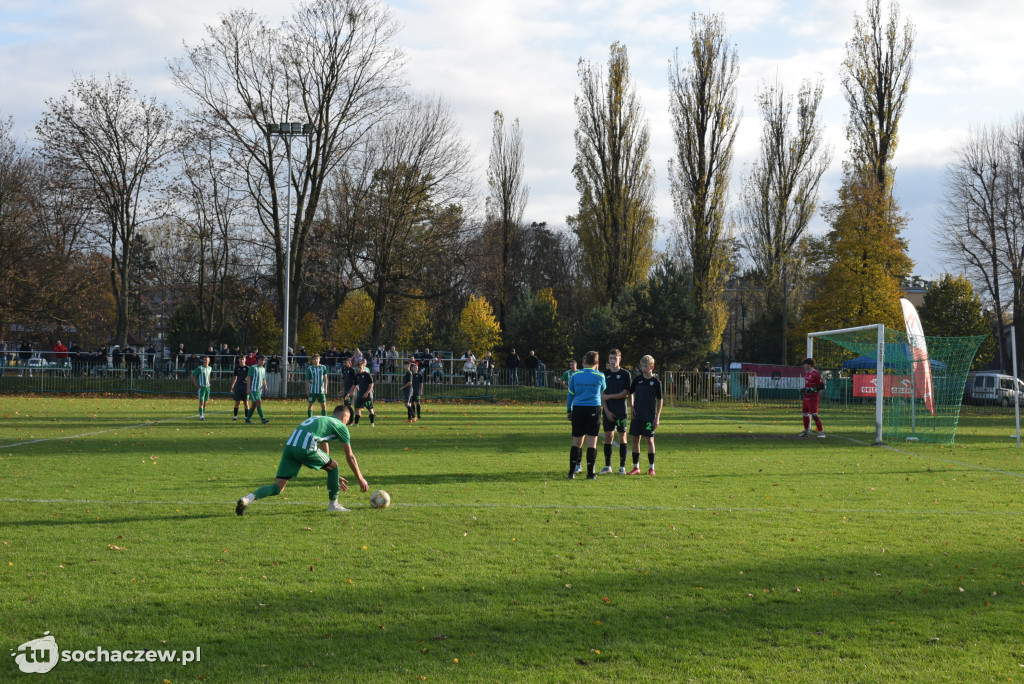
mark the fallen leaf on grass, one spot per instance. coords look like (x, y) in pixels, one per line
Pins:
(114, 547)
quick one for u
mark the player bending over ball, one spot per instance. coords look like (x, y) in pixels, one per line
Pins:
(238, 392)
(201, 379)
(583, 403)
(647, 401)
(362, 393)
(412, 387)
(812, 391)
(614, 415)
(256, 385)
(307, 446)
(317, 377)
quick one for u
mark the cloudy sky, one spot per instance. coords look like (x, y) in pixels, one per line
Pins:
(521, 57)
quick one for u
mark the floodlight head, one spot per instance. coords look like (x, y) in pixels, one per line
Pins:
(307, 129)
(273, 128)
(296, 128)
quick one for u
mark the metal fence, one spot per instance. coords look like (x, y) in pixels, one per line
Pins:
(448, 382)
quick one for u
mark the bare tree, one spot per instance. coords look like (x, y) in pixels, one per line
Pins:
(115, 144)
(876, 78)
(702, 104)
(974, 213)
(209, 209)
(780, 195)
(616, 222)
(402, 207)
(332, 65)
(506, 201)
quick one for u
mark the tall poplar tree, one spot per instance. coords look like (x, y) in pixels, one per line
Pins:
(506, 200)
(702, 104)
(616, 222)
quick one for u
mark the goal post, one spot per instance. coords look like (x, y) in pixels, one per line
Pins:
(879, 329)
(917, 382)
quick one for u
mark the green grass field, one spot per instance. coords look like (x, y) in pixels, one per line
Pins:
(753, 555)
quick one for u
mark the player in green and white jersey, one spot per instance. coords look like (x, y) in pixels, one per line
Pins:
(308, 446)
(256, 385)
(316, 375)
(201, 379)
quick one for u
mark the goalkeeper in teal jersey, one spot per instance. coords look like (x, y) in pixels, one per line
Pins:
(256, 385)
(308, 446)
(316, 376)
(201, 379)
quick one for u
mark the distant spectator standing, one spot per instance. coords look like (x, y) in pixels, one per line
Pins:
(60, 354)
(485, 368)
(530, 364)
(226, 360)
(116, 356)
(392, 366)
(437, 366)
(24, 354)
(302, 358)
(332, 358)
(151, 356)
(3, 357)
(180, 355)
(512, 362)
(469, 368)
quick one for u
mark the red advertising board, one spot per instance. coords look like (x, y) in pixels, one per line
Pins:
(864, 385)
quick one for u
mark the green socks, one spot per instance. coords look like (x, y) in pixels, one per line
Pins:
(259, 409)
(265, 491)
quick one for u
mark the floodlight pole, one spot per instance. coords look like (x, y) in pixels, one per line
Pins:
(287, 131)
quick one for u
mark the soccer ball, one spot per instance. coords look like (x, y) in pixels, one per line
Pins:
(380, 499)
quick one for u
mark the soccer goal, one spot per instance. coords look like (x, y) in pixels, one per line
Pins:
(913, 384)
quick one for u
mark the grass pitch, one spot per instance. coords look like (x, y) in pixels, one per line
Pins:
(753, 555)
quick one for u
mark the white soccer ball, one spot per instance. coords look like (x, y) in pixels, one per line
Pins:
(380, 499)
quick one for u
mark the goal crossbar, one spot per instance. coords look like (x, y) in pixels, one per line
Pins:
(879, 368)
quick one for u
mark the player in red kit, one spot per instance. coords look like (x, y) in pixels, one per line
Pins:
(812, 389)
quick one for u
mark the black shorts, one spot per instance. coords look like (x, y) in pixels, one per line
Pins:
(408, 397)
(617, 425)
(641, 428)
(239, 393)
(363, 402)
(586, 420)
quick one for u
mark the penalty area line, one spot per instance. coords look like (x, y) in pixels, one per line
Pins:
(102, 432)
(544, 507)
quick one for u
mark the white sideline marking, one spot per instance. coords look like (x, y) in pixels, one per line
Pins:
(587, 507)
(101, 432)
(974, 466)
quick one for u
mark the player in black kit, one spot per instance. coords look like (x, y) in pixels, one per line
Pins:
(348, 379)
(645, 395)
(412, 386)
(614, 414)
(238, 386)
(363, 391)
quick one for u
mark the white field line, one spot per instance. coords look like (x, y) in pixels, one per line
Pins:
(102, 432)
(547, 507)
(973, 466)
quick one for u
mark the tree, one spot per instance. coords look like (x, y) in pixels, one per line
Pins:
(867, 260)
(478, 330)
(506, 200)
(702, 104)
(310, 334)
(977, 227)
(616, 222)
(780, 195)
(400, 209)
(332, 65)
(876, 79)
(659, 317)
(353, 322)
(115, 144)
(951, 309)
(534, 323)
(265, 332)
(209, 210)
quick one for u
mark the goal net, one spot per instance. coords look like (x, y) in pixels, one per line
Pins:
(922, 386)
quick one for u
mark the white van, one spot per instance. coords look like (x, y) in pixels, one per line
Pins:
(992, 388)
